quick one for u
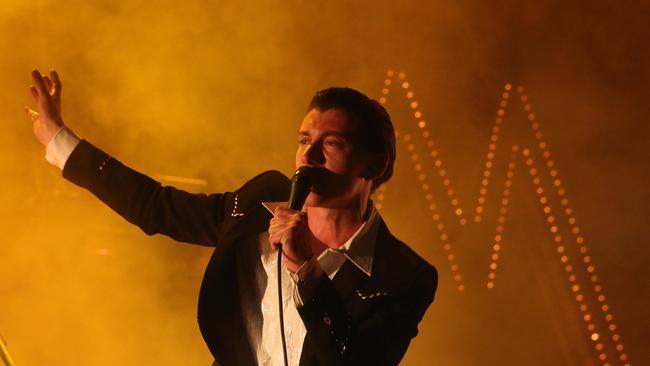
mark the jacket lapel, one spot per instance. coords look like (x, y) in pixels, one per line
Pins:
(348, 279)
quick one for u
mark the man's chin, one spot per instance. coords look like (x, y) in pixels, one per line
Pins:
(313, 200)
(317, 200)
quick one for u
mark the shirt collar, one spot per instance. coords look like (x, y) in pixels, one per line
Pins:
(359, 249)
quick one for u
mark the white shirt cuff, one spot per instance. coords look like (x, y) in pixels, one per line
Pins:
(305, 280)
(58, 150)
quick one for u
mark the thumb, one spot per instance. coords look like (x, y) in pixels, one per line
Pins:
(32, 114)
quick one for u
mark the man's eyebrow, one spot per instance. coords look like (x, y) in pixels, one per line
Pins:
(327, 133)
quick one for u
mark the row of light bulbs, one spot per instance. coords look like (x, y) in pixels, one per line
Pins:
(423, 180)
(552, 220)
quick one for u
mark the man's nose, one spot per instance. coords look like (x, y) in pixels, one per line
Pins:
(313, 154)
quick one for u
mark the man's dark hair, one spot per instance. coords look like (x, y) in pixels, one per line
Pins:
(370, 127)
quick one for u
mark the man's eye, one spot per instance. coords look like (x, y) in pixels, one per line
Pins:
(333, 143)
(303, 141)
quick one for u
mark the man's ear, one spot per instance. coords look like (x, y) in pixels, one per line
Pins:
(375, 166)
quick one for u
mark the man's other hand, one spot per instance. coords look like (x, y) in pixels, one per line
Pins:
(289, 229)
(46, 120)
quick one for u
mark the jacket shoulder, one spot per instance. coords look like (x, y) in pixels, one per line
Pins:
(268, 186)
(398, 260)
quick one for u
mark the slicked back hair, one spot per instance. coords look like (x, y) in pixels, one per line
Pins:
(370, 127)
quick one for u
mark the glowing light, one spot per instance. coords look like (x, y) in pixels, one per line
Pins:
(575, 288)
(535, 173)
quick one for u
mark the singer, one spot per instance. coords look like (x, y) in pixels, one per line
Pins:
(353, 294)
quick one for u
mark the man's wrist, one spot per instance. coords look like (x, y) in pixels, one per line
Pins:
(294, 265)
(305, 280)
(60, 146)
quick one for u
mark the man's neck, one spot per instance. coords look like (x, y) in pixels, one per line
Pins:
(332, 227)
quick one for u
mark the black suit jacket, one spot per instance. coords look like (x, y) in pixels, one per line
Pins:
(352, 320)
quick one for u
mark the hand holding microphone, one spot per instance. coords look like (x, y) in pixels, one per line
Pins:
(288, 228)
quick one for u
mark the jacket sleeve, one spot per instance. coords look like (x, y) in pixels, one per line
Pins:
(381, 337)
(186, 217)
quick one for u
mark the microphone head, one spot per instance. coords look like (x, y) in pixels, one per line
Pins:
(300, 187)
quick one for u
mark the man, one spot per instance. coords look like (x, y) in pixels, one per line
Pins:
(353, 293)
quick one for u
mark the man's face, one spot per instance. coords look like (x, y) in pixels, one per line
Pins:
(324, 142)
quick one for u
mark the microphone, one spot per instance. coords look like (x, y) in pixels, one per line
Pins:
(300, 187)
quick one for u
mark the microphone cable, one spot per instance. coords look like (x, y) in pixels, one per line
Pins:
(300, 187)
(284, 341)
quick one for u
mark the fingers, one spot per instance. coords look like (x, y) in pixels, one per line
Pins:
(285, 212)
(37, 78)
(46, 103)
(285, 226)
(49, 85)
(283, 222)
(57, 82)
(34, 92)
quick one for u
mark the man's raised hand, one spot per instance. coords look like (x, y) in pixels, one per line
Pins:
(46, 121)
